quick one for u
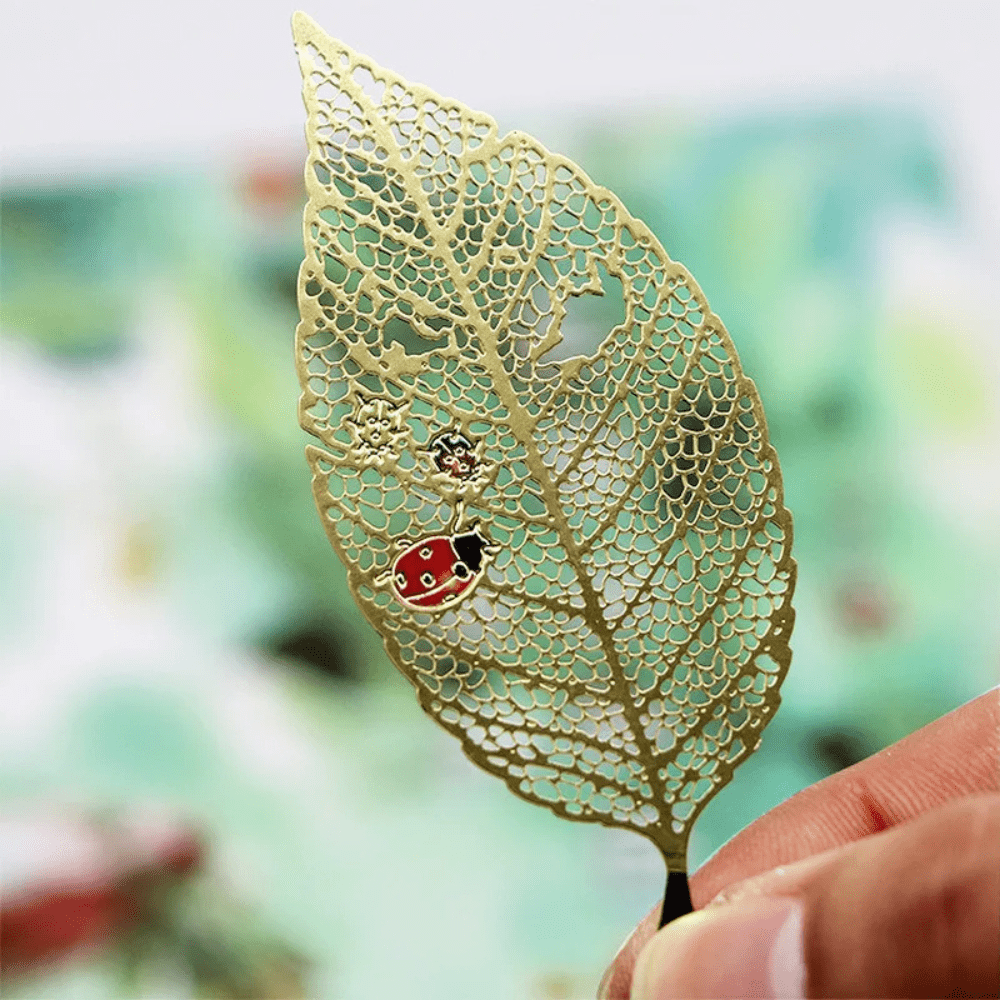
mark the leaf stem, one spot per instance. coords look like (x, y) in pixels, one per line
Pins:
(676, 897)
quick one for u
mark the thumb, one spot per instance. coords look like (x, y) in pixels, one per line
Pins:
(911, 912)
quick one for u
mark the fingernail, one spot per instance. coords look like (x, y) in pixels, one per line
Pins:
(751, 949)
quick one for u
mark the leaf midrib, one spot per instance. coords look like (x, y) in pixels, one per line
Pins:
(595, 617)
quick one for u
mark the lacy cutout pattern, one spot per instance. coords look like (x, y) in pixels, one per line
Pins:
(583, 566)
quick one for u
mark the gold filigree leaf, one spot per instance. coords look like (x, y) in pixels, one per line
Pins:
(583, 566)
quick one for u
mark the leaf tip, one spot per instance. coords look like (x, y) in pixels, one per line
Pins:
(304, 28)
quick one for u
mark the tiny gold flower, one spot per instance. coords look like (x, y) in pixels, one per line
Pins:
(377, 430)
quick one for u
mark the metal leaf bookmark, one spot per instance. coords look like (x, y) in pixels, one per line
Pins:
(583, 566)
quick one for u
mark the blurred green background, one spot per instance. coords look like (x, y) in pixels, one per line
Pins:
(174, 628)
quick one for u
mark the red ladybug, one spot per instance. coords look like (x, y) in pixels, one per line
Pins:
(437, 571)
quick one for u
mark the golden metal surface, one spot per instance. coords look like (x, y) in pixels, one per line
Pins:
(613, 643)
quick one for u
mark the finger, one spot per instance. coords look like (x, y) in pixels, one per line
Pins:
(911, 912)
(952, 757)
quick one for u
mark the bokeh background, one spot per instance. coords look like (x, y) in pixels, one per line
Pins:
(174, 629)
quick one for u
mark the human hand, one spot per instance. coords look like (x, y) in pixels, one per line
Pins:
(883, 880)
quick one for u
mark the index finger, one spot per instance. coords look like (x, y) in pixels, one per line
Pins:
(955, 756)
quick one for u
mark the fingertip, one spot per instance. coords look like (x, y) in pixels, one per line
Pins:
(745, 950)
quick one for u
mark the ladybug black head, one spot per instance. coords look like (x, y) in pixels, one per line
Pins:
(447, 444)
(469, 547)
(451, 441)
